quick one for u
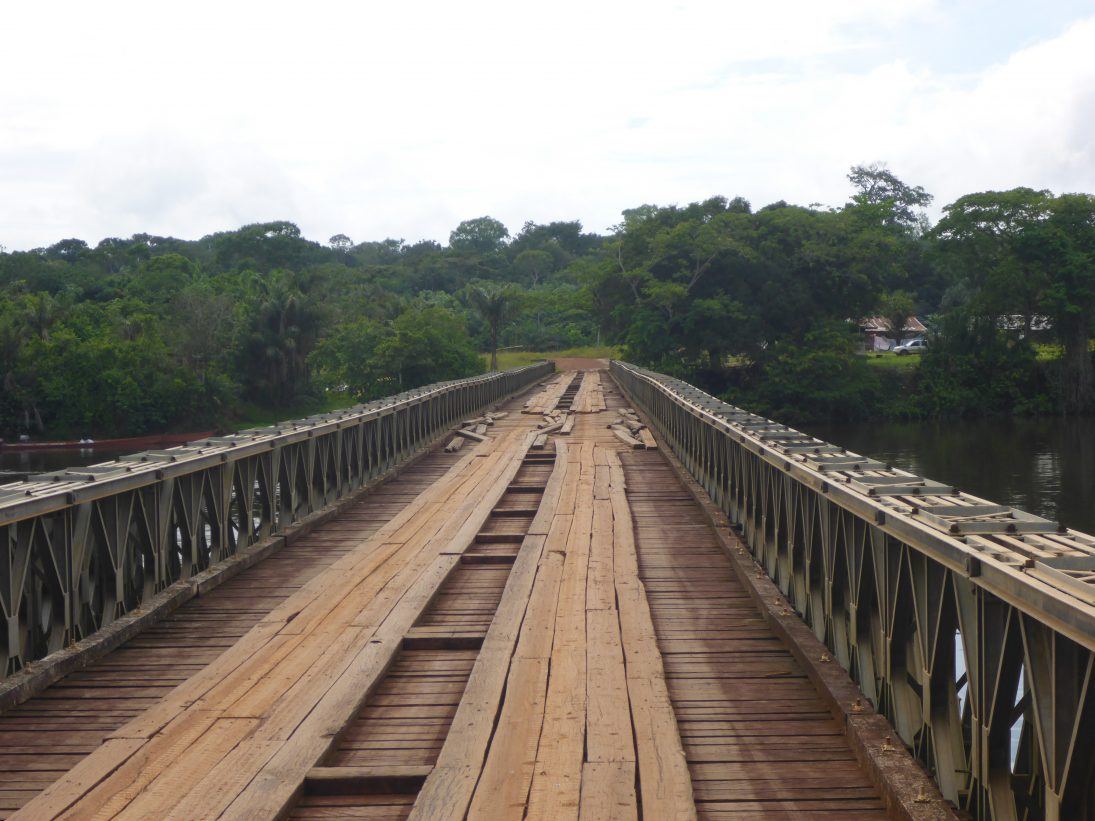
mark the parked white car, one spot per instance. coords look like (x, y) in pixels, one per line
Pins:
(912, 346)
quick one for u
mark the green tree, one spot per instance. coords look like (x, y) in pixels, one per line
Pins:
(160, 278)
(424, 344)
(345, 360)
(984, 238)
(875, 185)
(496, 305)
(897, 308)
(822, 378)
(533, 265)
(1024, 253)
(974, 369)
(340, 242)
(1069, 241)
(483, 235)
(284, 325)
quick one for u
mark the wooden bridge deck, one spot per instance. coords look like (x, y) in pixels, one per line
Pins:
(502, 632)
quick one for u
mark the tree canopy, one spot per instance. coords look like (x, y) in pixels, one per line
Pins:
(151, 333)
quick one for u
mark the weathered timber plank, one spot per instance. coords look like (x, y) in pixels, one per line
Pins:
(608, 791)
(557, 778)
(464, 477)
(664, 780)
(447, 792)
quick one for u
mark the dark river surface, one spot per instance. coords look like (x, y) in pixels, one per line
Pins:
(1044, 466)
(40, 461)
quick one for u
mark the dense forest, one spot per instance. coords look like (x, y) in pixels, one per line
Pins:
(151, 333)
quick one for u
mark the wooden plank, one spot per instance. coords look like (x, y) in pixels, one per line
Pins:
(608, 791)
(114, 780)
(269, 793)
(548, 398)
(199, 759)
(288, 625)
(608, 710)
(665, 783)
(448, 791)
(557, 778)
(507, 775)
(83, 778)
(624, 436)
(504, 783)
(601, 593)
(473, 435)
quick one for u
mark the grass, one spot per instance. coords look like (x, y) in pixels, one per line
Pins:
(888, 359)
(1045, 351)
(515, 359)
(254, 416)
(1048, 352)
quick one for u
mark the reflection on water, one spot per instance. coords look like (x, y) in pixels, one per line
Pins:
(1044, 466)
(42, 461)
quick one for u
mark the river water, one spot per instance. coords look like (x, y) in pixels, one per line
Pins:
(1045, 466)
(41, 461)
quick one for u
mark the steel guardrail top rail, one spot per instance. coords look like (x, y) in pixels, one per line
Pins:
(1038, 566)
(59, 489)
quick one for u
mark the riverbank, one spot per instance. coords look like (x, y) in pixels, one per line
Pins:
(829, 381)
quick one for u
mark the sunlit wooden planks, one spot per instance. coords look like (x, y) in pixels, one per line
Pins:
(292, 666)
(663, 772)
(590, 396)
(548, 397)
(564, 745)
(49, 734)
(448, 790)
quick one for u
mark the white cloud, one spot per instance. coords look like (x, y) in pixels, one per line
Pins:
(402, 119)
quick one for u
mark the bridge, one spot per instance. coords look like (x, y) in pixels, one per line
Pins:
(594, 594)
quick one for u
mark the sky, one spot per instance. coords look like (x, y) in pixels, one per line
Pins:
(402, 119)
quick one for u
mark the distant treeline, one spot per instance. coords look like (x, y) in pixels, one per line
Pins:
(155, 333)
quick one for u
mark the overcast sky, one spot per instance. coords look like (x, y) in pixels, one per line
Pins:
(402, 118)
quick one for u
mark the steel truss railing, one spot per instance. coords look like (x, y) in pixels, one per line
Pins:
(970, 625)
(82, 547)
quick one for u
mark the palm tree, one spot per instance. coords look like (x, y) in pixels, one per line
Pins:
(283, 332)
(495, 304)
(40, 314)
